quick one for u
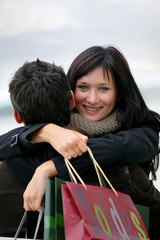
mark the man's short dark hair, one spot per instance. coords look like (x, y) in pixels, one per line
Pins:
(40, 92)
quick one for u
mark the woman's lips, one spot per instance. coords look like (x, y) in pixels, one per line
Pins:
(93, 109)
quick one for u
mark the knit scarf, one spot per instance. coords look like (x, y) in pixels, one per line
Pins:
(96, 129)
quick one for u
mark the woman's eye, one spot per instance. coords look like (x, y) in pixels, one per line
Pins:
(103, 89)
(83, 87)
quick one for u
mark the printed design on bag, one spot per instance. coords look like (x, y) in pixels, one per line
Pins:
(107, 217)
(59, 218)
(137, 224)
(49, 222)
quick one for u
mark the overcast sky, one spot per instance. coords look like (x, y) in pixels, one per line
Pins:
(59, 30)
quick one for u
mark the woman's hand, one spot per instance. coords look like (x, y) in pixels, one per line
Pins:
(34, 193)
(68, 143)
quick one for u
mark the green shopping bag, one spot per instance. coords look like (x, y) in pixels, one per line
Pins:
(59, 224)
(144, 213)
(49, 213)
(53, 214)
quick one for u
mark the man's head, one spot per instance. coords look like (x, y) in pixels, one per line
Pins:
(40, 92)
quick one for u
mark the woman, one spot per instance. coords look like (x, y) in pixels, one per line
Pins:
(103, 84)
(104, 87)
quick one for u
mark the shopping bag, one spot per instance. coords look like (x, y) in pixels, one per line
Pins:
(93, 212)
(49, 211)
(96, 213)
(53, 214)
(144, 213)
(22, 223)
(59, 223)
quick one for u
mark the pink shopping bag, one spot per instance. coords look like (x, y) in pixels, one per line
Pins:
(97, 213)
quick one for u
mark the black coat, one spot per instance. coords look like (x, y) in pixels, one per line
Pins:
(137, 145)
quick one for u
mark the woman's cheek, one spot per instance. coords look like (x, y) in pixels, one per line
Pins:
(79, 97)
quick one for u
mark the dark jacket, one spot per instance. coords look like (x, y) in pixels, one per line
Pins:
(137, 145)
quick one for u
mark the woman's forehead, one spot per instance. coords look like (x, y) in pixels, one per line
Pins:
(98, 73)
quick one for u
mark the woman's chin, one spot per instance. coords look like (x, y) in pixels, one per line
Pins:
(92, 118)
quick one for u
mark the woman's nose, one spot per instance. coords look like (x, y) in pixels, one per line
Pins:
(92, 97)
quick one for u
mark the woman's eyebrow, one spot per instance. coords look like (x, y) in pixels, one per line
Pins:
(105, 83)
(81, 82)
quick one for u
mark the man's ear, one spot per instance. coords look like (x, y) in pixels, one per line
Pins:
(72, 101)
(16, 116)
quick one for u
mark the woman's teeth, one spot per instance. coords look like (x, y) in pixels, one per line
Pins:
(92, 109)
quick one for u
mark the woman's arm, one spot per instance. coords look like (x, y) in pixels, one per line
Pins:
(130, 146)
(138, 144)
(26, 139)
(68, 143)
(133, 145)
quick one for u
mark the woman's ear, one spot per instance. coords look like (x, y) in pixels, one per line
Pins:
(16, 116)
(72, 101)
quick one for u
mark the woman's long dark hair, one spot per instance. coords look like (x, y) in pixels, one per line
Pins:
(132, 109)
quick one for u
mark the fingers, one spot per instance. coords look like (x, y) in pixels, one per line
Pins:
(76, 151)
(68, 143)
(84, 139)
(32, 203)
(73, 153)
(73, 147)
(34, 193)
(82, 146)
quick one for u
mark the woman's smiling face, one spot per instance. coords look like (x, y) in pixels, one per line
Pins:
(95, 95)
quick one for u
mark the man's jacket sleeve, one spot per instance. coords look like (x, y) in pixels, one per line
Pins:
(14, 143)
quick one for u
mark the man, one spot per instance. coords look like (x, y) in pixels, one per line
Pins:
(39, 93)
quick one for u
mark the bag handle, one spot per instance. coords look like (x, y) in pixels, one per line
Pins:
(71, 169)
(23, 221)
(98, 169)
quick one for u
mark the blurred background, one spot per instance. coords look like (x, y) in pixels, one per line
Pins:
(59, 30)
